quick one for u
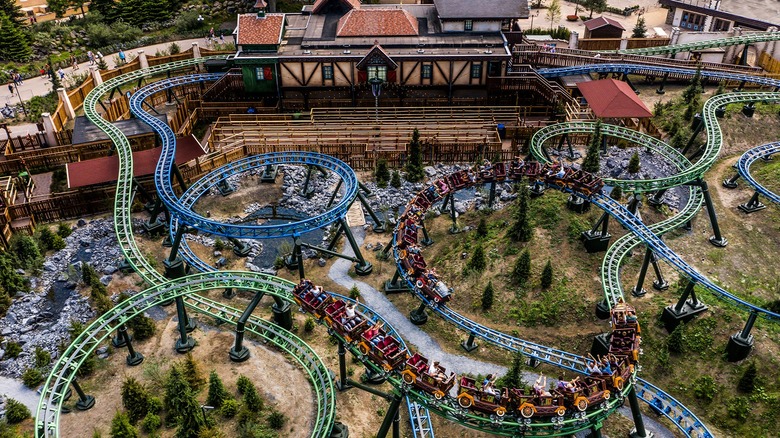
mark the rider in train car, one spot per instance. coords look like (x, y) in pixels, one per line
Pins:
(428, 376)
(517, 168)
(499, 169)
(431, 194)
(486, 172)
(485, 400)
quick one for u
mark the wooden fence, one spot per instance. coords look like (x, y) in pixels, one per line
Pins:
(614, 43)
(769, 63)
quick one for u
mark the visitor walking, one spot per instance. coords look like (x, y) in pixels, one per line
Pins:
(74, 63)
(121, 56)
(91, 57)
(61, 72)
(11, 89)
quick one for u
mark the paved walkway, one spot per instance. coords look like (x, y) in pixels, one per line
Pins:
(654, 16)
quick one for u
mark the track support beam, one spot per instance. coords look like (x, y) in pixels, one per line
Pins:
(342, 384)
(418, 316)
(716, 239)
(469, 345)
(133, 357)
(379, 225)
(740, 344)
(396, 284)
(684, 310)
(86, 402)
(596, 240)
(731, 183)
(639, 423)
(639, 290)
(390, 418)
(753, 205)
(427, 241)
(239, 353)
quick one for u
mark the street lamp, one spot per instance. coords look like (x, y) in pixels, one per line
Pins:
(532, 19)
(21, 102)
(376, 90)
(203, 409)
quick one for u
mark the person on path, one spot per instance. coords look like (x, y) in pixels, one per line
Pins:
(121, 56)
(91, 57)
(61, 72)
(11, 89)
(74, 63)
(221, 38)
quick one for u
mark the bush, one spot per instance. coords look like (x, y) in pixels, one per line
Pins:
(15, 412)
(382, 174)
(187, 22)
(395, 179)
(211, 432)
(230, 408)
(25, 250)
(704, 388)
(45, 238)
(12, 350)
(354, 292)
(142, 326)
(739, 408)
(101, 35)
(676, 340)
(88, 366)
(121, 427)
(482, 229)
(174, 49)
(276, 420)
(487, 296)
(135, 399)
(243, 383)
(192, 373)
(547, 275)
(154, 405)
(151, 423)
(32, 377)
(633, 163)
(42, 358)
(309, 325)
(477, 262)
(217, 392)
(522, 269)
(252, 400)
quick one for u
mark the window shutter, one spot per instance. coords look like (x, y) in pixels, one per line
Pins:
(267, 73)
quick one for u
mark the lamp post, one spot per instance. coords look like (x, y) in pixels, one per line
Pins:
(203, 409)
(376, 90)
(21, 102)
(532, 19)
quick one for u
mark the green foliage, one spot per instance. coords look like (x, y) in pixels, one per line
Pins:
(592, 161)
(514, 376)
(559, 32)
(174, 49)
(25, 251)
(521, 230)
(32, 377)
(192, 373)
(88, 366)
(705, 388)
(135, 399)
(14, 44)
(10, 281)
(42, 104)
(395, 180)
(88, 274)
(190, 417)
(243, 383)
(187, 22)
(151, 423)
(738, 408)
(252, 429)
(217, 392)
(154, 405)
(354, 292)
(15, 412)
(553, 12)
(5, 302)
(640, 29)
(252, 400)
(577, 225)
(522, 269)
(594, 6)
(45, 238)
(633, 163)
(142, 326)
(414, 169)
(276, 420)
(482, 229)
(675, 342)
(12, 9)
(101, 64)
(12, 350)
(658, 109)
(547, 275)
(382, 174)
(309, 325)
(487, 296)
(678, 140)
(101, 35)
(477, 262)
(42, 358)
(616, 193)
(176, 393)
(230, 408)
(747, 383)
(121, 427)
(694, 89)
(211, 432)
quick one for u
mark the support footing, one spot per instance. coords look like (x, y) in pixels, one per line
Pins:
(595, 242)
(363, 269)
(394, 288)
(469, 345)
(269, 174)
(720, 243)
(729, 184)
(720, 112)
(600, 345)
(118, 341)
(340, 430)
(174, 269)
(225, 188)
(536, 190)
(638, 292)
(418, 318)
(183, 347)
(291, 262)
(426, 241)
(577, 204)
(662, 285)
(135, 359)
(672, 317)
(751, 207)
(372, 377)
(738, 347)
(85, 403)
(602, 310)
(240, 355)
(154, 228)
(242, 250)
(635, 434)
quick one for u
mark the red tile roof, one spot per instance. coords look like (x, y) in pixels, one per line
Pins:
(377, 22)
(260, 4)
(609, 98)
(601, 22)
(260, 30)
(319, 4)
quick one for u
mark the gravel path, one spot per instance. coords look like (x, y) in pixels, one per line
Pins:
(13, 388)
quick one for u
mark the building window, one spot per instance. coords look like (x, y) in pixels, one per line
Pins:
(260, 73)
(468, 25)
(327, 72)
(377, 71)
(506, 25)
(719, 25)
(692, 21)
(476, 71)
(427, 71)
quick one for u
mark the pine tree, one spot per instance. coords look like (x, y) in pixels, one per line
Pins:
(595, 5)
(382, 174)
(101, 64)
(616, 193)
(242, 384)
(12, 9)
(252, 399)
(640, 30)
(514, 376)
(747, 383)
(192, 373)
(121, 427)
(135, 399)
(395, 180)
(59, 7)
(477, 262)
(15, 412)
(676, 341)
(592, 161)
(414, 170)
(217, 392)
(142, 326)
(694, 89)
(176, 388)
(521, 228)
(108, 9)
(482, 229)
(633, 163)
(487, 296)
(522, 270)
(190, 417)
(547, 275)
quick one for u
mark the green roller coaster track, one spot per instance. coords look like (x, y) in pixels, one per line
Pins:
(747, 38)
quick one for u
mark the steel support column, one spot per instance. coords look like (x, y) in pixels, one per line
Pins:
(392, 413)
(717, 239)
(86, 401)
(342, 384)
(362, 267)
(639, 424)
(638, 290)
(239, 353)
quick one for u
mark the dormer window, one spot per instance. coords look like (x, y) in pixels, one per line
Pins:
(377, 71)
(468, 25)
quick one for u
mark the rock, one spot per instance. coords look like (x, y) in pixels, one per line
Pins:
(460, 207)
(464, 255)
(102, 350)
(81, 223)
(378, 247)
(369, 246)
(430, 172)
(321, 262)
(49, 266)
(109, 269)
(106, 279)
(217, 253)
